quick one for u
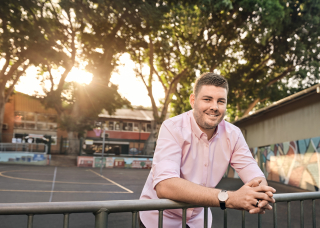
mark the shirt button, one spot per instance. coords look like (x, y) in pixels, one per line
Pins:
(205, 165)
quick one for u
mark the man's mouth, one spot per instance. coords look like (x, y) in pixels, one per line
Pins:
(213, 115)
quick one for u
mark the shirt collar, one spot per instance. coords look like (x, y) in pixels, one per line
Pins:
(195, 128)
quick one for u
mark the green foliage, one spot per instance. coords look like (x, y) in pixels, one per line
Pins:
(259, 46)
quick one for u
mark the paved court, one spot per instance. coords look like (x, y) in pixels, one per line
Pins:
(55, 184)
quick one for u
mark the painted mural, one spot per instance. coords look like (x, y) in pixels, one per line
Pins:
(25, 158)
(295, 163)
(115, 162)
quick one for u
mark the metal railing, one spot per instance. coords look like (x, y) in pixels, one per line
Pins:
(24, 147)
(101, 209)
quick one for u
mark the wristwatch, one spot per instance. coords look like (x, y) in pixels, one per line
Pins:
(223, 197)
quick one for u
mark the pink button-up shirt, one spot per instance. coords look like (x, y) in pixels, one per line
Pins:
(184, 151)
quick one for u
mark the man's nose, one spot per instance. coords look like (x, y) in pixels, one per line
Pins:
(214, 106)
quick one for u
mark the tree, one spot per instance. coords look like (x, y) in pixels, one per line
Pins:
(23, 42)
(273, 41)
(94, 32)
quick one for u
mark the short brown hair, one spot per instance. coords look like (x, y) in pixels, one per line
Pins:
(210, 79)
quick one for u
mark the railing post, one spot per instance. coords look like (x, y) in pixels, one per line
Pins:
(101, 218)
(225, 218)
(66, 220)
(301, 214)
(30, 221)
(289, 214)
(314, 213)
(184, 218)
(160, 222)
(259, 220)
(275, 222)
(134, 219)
(205, 225)
(243, 219)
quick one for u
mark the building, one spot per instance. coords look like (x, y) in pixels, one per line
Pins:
(285, 139)
(127, 132)
(26, 116)
(292, 118)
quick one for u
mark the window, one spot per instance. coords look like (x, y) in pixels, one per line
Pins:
(42, 126)
(39, 121)
(110, 126)
(42, 118)
(19, 116)
(146, 127)
(30, 116)
(136, 126)
(130, 126)
(30, 126)
(117, 126)
(125, 126)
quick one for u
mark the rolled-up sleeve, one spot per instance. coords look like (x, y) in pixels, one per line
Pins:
(243, 162)
(167, 156)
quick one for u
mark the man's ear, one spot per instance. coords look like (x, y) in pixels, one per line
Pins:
(191, 99)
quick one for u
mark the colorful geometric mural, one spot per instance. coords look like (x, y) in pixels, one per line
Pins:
(295, 163)
(115, 162)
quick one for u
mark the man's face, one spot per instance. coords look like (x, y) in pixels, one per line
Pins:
(209, 107)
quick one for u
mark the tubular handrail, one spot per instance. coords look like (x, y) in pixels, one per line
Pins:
(101, 209)
(112, 206)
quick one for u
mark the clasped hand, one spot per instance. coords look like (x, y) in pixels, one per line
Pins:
(247, 196)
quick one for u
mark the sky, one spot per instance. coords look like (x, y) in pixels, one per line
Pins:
(129, 85)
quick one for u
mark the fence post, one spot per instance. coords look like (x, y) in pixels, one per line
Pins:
(61, 144)
(80, 146)
(49, 144)
(101, 218)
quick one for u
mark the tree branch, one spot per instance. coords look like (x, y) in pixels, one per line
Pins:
(282, 75)
(251, 106)
(160, 79)
(11, 87)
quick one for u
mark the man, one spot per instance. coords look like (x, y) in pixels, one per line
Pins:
(193, 152)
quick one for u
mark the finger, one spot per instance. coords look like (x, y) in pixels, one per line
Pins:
(270, 194)
(263, 196)
(263, 188)
(253, 183)
(262, 212)
(256, 210)
(265, 204)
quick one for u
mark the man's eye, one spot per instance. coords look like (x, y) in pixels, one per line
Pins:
(222, 102)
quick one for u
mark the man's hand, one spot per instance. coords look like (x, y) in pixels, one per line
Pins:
(246, 197)
(263, 204)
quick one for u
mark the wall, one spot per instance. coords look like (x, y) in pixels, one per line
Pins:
(298, 120)
(295, 163)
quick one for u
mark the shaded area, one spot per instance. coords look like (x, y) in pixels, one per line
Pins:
(132, 179)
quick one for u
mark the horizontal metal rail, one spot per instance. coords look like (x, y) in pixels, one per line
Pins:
(101, 209)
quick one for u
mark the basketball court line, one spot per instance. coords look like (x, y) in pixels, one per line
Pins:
(63, 182)
(115, 183)
(48, 191)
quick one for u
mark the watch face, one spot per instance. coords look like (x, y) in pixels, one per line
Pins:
(223, 196)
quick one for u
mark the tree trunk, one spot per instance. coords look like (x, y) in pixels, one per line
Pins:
(2, 109)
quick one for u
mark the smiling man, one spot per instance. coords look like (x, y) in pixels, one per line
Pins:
(193, 152)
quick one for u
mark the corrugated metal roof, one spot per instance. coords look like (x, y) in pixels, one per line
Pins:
(282, 102)
(133, 114)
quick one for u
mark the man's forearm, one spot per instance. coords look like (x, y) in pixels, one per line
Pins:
(179, 189)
